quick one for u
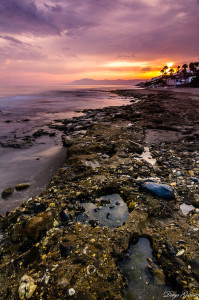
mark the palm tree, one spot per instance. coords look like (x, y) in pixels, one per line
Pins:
(196, 64)
(162, 71)
(192, 67)
(178, 67)
(165, 69)
(171, 71)
(185, 66)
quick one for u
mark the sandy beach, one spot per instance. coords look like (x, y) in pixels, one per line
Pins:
(68, 242)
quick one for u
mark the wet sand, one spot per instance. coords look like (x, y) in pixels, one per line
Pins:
(34, 165)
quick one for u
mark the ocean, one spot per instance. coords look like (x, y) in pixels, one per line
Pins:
(24, 111)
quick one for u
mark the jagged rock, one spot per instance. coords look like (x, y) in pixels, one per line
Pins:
(39, 133)
(65, 247)
(37, 224)
(137, 148)
(67, 141)
(27, 287)
(64, 216)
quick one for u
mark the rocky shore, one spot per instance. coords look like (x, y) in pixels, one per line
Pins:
(147, 154)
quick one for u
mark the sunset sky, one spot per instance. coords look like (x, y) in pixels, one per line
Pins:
(58, 41)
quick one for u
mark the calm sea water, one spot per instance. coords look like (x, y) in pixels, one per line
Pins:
(23, 110)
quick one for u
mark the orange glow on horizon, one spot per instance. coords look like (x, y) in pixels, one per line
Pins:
(127, 64)
(63, 71)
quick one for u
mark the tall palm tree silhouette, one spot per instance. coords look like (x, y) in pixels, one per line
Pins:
(185, 66)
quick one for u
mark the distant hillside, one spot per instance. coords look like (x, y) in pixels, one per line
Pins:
(88, 81)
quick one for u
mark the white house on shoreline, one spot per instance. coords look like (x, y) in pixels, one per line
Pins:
(176, 81)
(179, 78)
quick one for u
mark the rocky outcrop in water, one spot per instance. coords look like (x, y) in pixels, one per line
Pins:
(7, 192)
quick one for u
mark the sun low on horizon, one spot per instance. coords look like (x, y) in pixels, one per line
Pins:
(170, 65)
(57, 42)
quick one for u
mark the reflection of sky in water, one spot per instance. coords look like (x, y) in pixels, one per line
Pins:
(141, 283)
(146, 155)
(118, 214)
(42, 106)
(60, 99)
(186, 208)
(21, 165)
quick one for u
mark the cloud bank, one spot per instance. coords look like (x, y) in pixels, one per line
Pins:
(63, 40)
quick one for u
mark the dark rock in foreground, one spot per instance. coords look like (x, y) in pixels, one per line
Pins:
(161, 190)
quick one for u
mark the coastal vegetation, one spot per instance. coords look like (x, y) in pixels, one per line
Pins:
(186, 75)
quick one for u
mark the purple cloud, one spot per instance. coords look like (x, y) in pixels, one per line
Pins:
(25, 17)
(11, 39)
(41, 19)
(98, 31)
(56, 7)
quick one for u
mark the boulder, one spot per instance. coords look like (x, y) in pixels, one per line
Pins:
(159, 276)
(38, 224)
(136, 148)
(67, 141)
(7, 192)
(161, 190)
(39, 133)
(22, 186)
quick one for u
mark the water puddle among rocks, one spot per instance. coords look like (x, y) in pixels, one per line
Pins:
(157, 135)
(145, 280)
(110, 211)
(185, 208)
(146, 155)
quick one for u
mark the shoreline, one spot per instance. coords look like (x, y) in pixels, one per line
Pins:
(25, 133)
(37, 164)
(42, 234)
